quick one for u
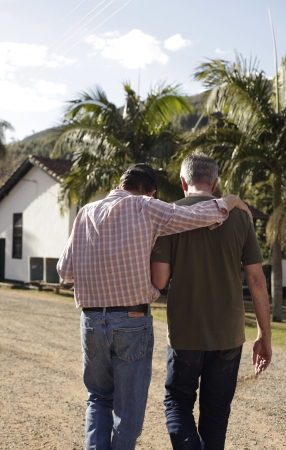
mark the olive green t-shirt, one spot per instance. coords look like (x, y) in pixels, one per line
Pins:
(205, 308)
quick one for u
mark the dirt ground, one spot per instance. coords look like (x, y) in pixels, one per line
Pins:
(42, 399)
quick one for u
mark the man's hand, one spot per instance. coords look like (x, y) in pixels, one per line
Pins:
(261, 355)
(232, 201)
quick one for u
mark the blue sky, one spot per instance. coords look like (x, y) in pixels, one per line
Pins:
(52, 49)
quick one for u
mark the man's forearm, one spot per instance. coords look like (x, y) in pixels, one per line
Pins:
(261, 306)
(262, 352)
(258, 289)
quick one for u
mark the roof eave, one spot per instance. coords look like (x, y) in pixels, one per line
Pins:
(45, 169)
(15, 178)
(22, 170)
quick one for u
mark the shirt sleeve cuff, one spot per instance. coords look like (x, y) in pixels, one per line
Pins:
(223, 209)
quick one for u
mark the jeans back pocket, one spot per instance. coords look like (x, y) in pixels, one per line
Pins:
(130, 343)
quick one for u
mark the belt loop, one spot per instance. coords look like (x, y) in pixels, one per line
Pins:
(104, 311)
(149, 310)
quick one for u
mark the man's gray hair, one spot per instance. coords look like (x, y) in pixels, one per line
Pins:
(199, 168)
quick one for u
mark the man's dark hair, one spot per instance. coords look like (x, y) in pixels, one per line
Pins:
(199, 168)
(139, 178)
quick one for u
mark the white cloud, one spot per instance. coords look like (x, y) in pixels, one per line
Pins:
(221, 52)
(6, 70)
(25, 97)
(98, 43)
(15, 56)
(110, 34)
(22, 55)
(50, 88)
(57, 61)
(41, 98)
(176, 42)
(132, 50)
(10, 76)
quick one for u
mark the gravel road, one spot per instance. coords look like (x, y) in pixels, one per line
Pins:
(42, 402)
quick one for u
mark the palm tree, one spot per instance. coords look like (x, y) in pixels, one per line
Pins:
(105, 140)
(4, 126)
(246, 135)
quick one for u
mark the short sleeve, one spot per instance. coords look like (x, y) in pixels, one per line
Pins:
(162, 250)
(251, 251)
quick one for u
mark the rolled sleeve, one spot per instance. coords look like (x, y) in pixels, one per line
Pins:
(65, 266)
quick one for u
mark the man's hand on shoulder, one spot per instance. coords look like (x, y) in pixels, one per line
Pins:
(232, 201)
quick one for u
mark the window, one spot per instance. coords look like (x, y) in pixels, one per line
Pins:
(17, 235)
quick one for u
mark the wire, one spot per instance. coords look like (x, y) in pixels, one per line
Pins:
(77, 23)
(93, 17)
(65, 18)
(94, 29)
(109, 17)
(103, 1)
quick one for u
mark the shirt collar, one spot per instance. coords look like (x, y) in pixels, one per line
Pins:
(119, 193)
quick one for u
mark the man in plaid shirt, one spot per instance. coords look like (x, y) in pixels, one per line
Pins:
(107, 257)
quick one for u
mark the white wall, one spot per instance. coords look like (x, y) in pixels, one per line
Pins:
(45, 231)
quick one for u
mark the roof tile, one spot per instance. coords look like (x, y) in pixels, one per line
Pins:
(55, 167)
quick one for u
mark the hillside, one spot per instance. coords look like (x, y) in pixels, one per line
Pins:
(42, 143)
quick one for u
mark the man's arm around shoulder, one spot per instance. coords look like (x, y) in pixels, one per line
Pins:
(262, 351)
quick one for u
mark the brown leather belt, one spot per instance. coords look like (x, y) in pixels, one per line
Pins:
(135, 308)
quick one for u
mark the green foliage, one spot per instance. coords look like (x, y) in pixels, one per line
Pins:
(4, 126)
(249, 140)
(104, 140)
(251, 137)
(246, 136)
(277, 225)
(190, 121)
(159, 313)
(260, 195)
(40, 144)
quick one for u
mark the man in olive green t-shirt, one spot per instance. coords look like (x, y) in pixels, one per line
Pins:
(205, 312)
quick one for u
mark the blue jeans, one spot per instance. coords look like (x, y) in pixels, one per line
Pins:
(218, 371)
(117, 364)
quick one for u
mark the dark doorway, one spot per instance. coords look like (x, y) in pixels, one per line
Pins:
(2, 260)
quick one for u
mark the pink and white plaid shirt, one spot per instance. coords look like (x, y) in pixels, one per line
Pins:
(107, 256)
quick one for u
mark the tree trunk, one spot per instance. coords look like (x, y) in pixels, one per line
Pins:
(276, 273)
(276, 281)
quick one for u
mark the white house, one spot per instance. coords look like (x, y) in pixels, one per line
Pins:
(33, 233)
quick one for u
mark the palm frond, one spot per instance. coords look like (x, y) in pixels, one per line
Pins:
(163, 102)
(94, 105)
(237, 89)
(97, 134)
(88, 176)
